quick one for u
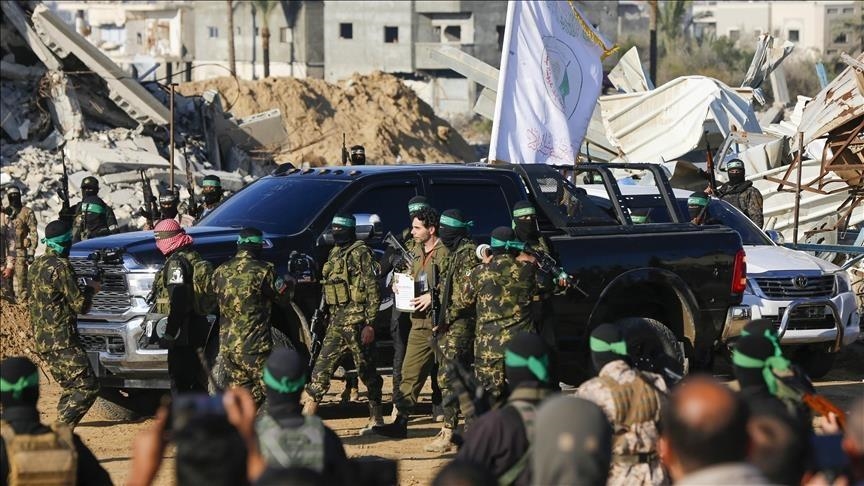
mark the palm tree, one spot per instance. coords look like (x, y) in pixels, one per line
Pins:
(671, 22)
(232, 58)
(266, 8)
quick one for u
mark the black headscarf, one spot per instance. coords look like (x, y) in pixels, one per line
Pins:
(58, 237)
(526, 359)
(453, 227)
(14, 197)
(503, 241)
(607, 345)
(284, 378)
(344, 229)
(525, 223)
(19, 383)
(251, 240)
(417, 203)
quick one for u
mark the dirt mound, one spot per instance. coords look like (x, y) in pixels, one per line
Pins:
(16, 335)
(377, 111)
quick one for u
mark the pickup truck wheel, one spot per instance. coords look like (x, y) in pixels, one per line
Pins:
(124, 406)
(654, 344)
(816, 362)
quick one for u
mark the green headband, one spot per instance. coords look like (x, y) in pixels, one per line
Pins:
(455, 223)
(284, 385)
(92, 208)
(697, 201)
(347, 222)
(601, 346)
(414, 207)
(56, 242)
(18, 387)
(210, 183)
(539, 366)
(638, 219)
(254, 239)
(507, 245)
(768, 366)
(735, 164)
(524, 212)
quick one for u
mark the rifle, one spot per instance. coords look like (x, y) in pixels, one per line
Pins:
(435, 309)
(473, 398)
(64, 187)
(318, 326)
(407, 257)
(789, 386)
(548, 265)
(709, 165)
(190, 184)
(345, 155)
(150, 209)
(210, 377)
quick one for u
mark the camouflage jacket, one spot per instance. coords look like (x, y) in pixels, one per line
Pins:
(459, 266)
(362, 283)
(22, 225)
(88, 225)
(744, 197)
(432, 263)
(8, 248)
(182, 289)
(502, 291)
(246, 289)
(55, 301)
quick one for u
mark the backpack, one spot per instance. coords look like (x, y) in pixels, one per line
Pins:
(41, 459)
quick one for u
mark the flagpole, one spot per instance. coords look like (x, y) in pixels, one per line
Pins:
(505, 46)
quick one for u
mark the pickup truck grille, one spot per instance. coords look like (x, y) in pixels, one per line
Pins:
(114, 297)
(789, 288)
(806, 318)
(97, 342)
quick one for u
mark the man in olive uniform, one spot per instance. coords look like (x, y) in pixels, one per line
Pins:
(56, 302)
(741, 193)
(246, 289)
(21, 224)
(456, 331)
(430, 259)
(350, 289)
(501, 291)
(632, 401)
(93, 217)
(182, 290)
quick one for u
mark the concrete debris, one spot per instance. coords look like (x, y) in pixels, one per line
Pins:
(13, 123)
(100, 159)
(18, 72)
(65, 110)
(266, 129)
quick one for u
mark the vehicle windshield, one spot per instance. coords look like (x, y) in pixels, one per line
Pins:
(279, 205)
(722, 213)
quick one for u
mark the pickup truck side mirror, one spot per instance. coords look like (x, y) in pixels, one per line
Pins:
(775, 236)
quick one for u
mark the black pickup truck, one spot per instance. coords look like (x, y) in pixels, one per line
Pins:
(676, 274)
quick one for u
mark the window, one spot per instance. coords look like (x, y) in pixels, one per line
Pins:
(346, 31)
(841, 38)
(391, 34)
(832, 11)
(499, 29)
(285, 35)
(848, 10)
(734, 35)
(452, 33)
(388, 202)
(139, 39)
(794, 35)
(213, 32)
(487, 215)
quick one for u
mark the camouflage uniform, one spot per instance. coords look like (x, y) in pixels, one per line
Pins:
(8, 251)
(22, 228)
(246, 289)
(183, 292)
(458, 340)
(744, 197)
(501, 290)
(93, 220)
(353, 303)
(632, 403)
(56, 302)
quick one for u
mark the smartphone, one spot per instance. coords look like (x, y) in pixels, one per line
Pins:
(189, 406)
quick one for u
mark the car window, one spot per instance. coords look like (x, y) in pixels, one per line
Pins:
(279, 205)
(572, 203)
(479, 201)
(389, 202)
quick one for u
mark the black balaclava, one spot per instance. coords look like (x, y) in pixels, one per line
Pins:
(607, 344)
(344, 229)
(735, 169)
(503, 241)
(526, 359)
(251, 240)
(212, 189)
(696, 203)
(453, 228)
(284, 378)
(58, 237)
(168, 206)
(14, 197)
(415, 204)
(19, 383)
(89, 186)
(525, 223)
(358, 155)
(749, 351)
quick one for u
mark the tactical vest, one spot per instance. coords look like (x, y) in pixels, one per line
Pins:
(92, 220)
(292, 446)
(41, 459)
(635, 403)
(527, 412)
(337, 288)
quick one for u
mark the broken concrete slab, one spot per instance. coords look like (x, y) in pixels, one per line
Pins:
(98, 159)
(18, 17)
(265, 128)
(65, 110)
(126, 177)
(125, 92)
(14, 123)
(75, 179)
(123, 196)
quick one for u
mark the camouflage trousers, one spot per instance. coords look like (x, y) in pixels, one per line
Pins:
(72, 371)
(338, 337)
(19, 281)
(489, 346)
(244, 370)
(457, 344)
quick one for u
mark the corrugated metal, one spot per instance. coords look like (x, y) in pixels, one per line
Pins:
(840, 102)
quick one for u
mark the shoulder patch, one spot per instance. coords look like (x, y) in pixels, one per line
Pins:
(280, 285)
(176, 275)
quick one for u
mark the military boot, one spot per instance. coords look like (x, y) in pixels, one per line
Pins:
(443, 442)
(375, 419)
(396, 430)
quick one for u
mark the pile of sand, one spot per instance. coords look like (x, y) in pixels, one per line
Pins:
(377, 111)
(16, 336)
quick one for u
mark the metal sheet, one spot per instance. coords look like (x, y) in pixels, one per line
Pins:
(628, 75)
(837, 104)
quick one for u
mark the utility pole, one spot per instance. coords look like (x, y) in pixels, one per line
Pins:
(652, 42)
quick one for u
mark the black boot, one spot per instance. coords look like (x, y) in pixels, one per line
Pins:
(396, 430)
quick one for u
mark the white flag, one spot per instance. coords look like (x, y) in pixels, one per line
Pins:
(551, 76)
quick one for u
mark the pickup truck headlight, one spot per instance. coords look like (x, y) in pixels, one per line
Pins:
(140, 283)
(841, 283)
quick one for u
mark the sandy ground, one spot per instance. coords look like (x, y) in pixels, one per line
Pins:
(111, 441)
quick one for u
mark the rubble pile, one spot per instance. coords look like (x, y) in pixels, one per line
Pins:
(377, 111)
